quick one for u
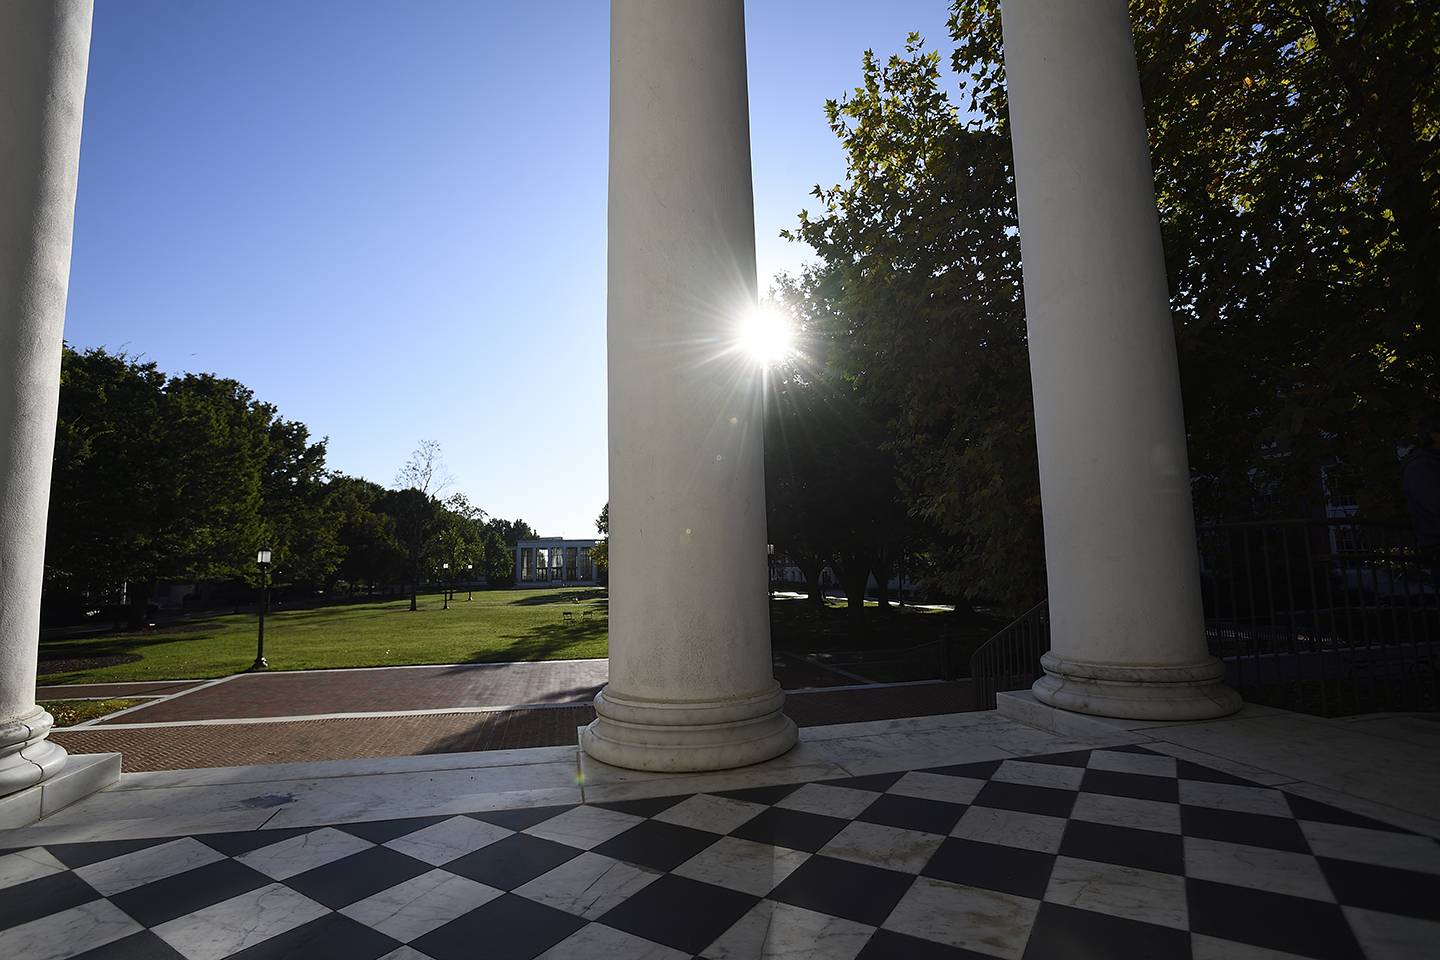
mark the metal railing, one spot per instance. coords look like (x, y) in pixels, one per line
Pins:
(1327, 617)
(1010, 660)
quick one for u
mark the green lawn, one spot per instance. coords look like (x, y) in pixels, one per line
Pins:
(498, 625)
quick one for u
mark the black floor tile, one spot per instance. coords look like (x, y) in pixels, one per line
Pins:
(795, 829)
(138, 946)
(75, 855)
(765, 795)
(914, 813)
(163, 900)
(383, 831)
(983, 770)
(1065, 933)
(878, 782)
(1137, 785)
(1185, 770)
(1387, 889)
(647, 807)
(1307, 809)
(1026, 798)
(343, 882)
(1271, 920)
(1134, 748)
(39, 898)
(1025, 873)
(243, 841)
(1233, 826)
(855, 891)
(680, 913)
(506, 928)
(521, 819)
(660, 846)
(1072, 758)
(508, 863)
(1144, 849)
(889, 945)
(331, 937)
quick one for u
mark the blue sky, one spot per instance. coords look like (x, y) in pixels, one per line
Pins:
(387, 217)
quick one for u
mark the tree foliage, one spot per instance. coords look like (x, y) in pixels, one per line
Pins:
(184, 478)
(1294, 147)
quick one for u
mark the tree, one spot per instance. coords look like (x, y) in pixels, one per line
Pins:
(371, 552)
(415, 505)
(600, 553)
(917, 300)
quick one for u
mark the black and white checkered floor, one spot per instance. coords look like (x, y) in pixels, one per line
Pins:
(1099, 853)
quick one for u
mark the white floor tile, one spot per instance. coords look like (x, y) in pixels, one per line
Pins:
(881, 846)
(1055, 775)
(449, 839)
(1011, 828)
(67, 933)
(1385, 936)
(754, 868)
(1142, 895)
(935, 786)
(239, 922)
(971, 918)
(412, 909)
(1278, 871)
(303, 852)
(1143, 763)
(584, 827)
(1127, 812)
(828, 800)
(588, 886)
(776, 930)
(1229, 796)
(710, 813)
(136, 869)
(599, 942)
(1379, 847)
(23, 866)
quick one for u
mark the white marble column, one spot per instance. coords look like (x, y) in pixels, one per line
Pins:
(691, 680)
(1127, 626)
(44, 49)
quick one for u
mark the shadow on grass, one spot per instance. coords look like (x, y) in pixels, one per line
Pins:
(565, 595)
(545, 642)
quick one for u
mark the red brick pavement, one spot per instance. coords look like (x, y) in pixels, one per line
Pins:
(144, 688)
(383, 690)
(238, 744)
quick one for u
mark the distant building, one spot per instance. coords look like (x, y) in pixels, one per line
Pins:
(554, 560)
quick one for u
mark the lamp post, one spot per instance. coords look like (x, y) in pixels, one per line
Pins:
(262, 558)
(770, 569)
(445, 585)
(470, 582)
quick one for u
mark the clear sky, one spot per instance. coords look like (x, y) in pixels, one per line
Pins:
(387, 217)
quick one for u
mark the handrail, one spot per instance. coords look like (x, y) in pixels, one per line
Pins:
(1010, 660)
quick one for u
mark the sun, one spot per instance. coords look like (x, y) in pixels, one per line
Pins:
(766, 335)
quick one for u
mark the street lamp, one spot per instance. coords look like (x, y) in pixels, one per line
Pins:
(263, 560)
(770, 569)
(445, 584)
(469, 582)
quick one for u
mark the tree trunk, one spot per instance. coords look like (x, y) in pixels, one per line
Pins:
(881, 567)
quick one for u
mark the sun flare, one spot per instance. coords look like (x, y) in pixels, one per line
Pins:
(767, 335)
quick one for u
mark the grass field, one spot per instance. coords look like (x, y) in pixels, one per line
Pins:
(498, 625)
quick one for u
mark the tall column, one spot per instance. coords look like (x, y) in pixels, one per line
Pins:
(44, 49)
(1127, 628)
(691, 681)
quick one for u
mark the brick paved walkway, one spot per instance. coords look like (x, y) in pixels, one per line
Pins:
(141, 688)
(236, 744)
(384, 690)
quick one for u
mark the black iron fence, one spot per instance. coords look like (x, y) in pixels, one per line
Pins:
(1010, 660)
(1327, 617)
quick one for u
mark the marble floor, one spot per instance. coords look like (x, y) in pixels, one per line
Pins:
(964, 836)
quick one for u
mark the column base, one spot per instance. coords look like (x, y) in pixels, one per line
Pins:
(688, 735)
(1137, 692)
(26, 757)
